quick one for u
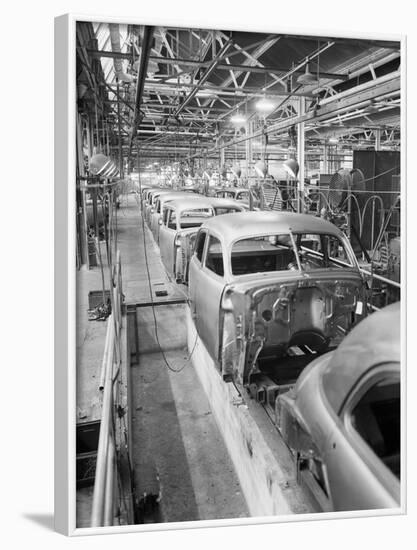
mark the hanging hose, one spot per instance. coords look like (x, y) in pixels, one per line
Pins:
(383, 228)
(373, 199)
(323, 196)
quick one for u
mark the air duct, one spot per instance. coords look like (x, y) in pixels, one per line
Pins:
(115, 46)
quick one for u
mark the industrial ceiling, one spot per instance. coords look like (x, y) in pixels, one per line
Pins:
(176, 93)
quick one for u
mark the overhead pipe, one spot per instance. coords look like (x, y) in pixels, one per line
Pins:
(108, 512)
(115, 46)
(143, 67)
(392, 80)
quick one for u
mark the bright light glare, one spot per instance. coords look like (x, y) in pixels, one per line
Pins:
(238, 119)
(264, 105)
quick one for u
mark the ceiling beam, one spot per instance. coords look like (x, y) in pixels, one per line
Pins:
(204, 78)
(112, 55)
(143, 66)
(334, 105)
(388, 44)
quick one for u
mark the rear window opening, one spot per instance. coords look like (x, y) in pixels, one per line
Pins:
(194, 218)
(221, 211)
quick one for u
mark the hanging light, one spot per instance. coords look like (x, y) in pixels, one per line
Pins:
(238, 118)
(291, 167)
(264, 105)
(307, 77)
(333, 140)
(261, 169)
(101, 165)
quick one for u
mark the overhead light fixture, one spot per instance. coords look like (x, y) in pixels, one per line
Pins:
(261, 169)
(238, 118)
(101, 165)
(307, 77)
(264, 105)
(333, 140)
(291, 167)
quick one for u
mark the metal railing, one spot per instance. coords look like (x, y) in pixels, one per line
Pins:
(104, 484)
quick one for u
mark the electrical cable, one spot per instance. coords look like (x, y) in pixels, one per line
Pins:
(381, 174)
(373, 200)
(153, 310)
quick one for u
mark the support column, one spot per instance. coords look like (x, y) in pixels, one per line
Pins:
(378, 139)
(222, 153)
(81, 202)
(119, 130)
(301, 154)
(249, 152)
(325, 159)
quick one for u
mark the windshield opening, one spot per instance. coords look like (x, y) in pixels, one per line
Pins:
(296, 252)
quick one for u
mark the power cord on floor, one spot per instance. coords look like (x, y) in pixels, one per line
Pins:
(153, 312)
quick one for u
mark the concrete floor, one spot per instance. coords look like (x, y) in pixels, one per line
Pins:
(178, 449)
(175, 437)
(177, 446)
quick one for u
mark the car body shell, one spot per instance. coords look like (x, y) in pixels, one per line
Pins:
(304, 307)
(147, 197)
(151, 202)
(315, 417)
(237, 193)
(176, 243)
(155, 213)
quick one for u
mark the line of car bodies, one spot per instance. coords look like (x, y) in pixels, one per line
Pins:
(174, 218)
(260, 283)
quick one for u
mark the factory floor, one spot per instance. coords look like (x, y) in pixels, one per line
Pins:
(178, 452)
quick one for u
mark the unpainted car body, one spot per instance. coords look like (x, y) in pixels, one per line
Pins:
(146, 199)
(254, 294)
(145, 195)
(151, 201)
(237, 193)
(220, 207)
(180, 221)
(155, 213)
(342, 418)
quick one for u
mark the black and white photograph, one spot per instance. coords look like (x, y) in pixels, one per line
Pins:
(238, 259)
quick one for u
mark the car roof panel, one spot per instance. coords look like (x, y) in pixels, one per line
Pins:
(244, 224)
